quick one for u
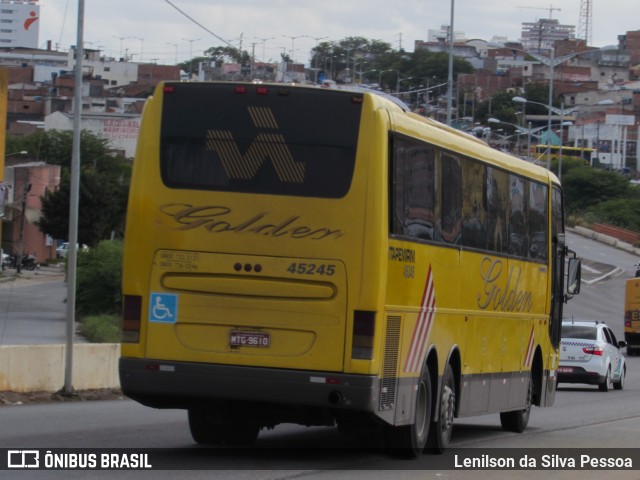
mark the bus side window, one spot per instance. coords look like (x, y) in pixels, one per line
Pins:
(474, 208)
(451, 198)
(517, 218)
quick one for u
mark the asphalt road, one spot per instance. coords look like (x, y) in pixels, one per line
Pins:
(33, 307)
(583, 418)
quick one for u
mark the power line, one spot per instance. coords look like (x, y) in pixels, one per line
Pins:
(199, 24)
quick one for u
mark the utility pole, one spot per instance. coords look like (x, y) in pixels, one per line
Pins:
(26, 187)
(74, 203)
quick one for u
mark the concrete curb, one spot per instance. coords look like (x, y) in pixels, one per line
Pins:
(606, 239)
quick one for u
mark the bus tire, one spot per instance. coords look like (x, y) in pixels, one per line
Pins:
(408, 441)
(442, 427)
(207, 432)
(517, 420)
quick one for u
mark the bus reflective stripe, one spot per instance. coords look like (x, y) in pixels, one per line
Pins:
(529, 357)
(423, 326)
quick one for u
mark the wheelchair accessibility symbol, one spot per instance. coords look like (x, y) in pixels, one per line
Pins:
(163, 308)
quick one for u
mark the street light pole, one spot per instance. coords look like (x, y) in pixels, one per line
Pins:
(293, 39)
(317, 39)
(190, 54)
(141, 47)
(550, 110)
(380, 77)
(551, 65)
(551, 62)
(263, 41)
(561, 141)
(450, 76)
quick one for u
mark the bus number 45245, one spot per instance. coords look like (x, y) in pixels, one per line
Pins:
(311, 269)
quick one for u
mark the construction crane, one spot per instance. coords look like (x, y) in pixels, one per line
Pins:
(551, 9)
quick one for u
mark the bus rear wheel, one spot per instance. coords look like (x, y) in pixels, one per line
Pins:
(206, 431)
(408, 441)
(517, 420)
(442, 427)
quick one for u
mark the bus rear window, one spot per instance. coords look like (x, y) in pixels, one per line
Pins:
(264, 139)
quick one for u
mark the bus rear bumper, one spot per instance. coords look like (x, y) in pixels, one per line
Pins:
(163, 384)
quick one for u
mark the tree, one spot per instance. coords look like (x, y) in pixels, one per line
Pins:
(585, 187)
(423, 64)
(54, 146)
(104, 185)
(355, 53)
(500, 106)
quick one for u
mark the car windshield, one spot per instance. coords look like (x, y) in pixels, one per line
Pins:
(579, 331)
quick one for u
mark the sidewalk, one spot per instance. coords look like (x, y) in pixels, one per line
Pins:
(44, 272)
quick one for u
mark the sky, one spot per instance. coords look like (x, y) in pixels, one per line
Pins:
(157, 31)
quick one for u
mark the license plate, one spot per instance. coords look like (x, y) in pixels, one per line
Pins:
(249, 339)
(565, 370)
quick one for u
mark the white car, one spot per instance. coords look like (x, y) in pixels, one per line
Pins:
(62, 250)
(590, 353)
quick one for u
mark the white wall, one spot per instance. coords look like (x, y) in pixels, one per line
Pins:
(40, 368)
(120, 129)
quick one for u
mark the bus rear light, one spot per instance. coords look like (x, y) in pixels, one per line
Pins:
(262, 90)
(241, 89)
(627, 318)
(131, 316)
(156, 367)
(326, 380)
(357, 99)
(364, 324)
(169, 89)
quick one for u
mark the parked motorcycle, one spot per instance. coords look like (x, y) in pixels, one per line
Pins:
(29, 262)
(8, 261)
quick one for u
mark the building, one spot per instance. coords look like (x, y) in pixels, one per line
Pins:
(120, 129)
(25, 184)
(630, 43)
(117, 73)
(541, 36)
(443, 34)
(607, 121)
(20, 22)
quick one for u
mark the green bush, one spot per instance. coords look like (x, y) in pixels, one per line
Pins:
(101, 328)
(620, 212)
(99, 277)
(586, 187)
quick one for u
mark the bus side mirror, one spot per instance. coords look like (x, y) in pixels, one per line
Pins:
(573, 276)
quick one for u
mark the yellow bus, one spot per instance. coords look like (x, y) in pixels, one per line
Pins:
(586, 154)
(632, 315)
(326, 257)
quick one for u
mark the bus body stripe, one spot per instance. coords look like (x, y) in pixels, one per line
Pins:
(529, 357)
(422, 327)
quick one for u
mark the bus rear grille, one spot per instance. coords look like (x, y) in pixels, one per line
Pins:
(389, 380)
